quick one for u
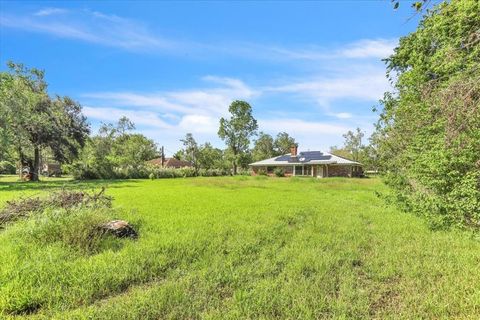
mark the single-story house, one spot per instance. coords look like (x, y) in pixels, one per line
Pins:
(309, 163)
(169, 163)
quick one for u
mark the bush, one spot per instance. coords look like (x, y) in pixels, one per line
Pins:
(7, 167)
(87, 172)
(261, 172)
(428, 134)
(279, 172)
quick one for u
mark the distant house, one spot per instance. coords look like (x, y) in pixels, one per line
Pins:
(51, 169)
(169, 163)
(309, 163)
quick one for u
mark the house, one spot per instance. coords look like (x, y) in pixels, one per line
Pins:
(309, 163)
(169, 163)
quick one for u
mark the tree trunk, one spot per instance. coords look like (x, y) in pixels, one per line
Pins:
(234, 167)
(234, 161)
(36, 164)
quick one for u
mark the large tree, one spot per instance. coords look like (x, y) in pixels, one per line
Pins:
(36, 121)
(238, 130)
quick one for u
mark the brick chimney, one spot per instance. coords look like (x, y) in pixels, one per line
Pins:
(293, 150)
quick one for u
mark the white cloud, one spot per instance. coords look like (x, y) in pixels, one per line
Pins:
(139, 117)
(342, 115)
(85, 25)
(112, 30)
(364, 85)
(205, 101)
(50, 11)
(360, 49)
(195, 123)
(368, 48)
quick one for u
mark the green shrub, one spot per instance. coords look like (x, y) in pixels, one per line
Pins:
(261, 172)
(87, 172)
(7, 167)
(279, 172)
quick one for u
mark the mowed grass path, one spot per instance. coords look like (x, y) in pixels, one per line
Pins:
(247, 248)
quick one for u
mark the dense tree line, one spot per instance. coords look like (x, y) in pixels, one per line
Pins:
(428, 135)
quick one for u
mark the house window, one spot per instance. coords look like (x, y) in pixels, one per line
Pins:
(298, 170)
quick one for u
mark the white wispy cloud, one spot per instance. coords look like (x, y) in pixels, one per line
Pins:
(112, 30)
(50, 11)
(200, 102)
(89, 26)
(361, 49)
(369, 48)
(342, 115)
(139, 117)
(365, 85)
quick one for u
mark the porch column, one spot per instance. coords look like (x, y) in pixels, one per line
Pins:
(311, 167)
(326, 169)
(294, 170)
(303, 170)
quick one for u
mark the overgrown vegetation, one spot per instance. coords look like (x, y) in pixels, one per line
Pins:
(236, 247)
(428, 135)
(23, 208)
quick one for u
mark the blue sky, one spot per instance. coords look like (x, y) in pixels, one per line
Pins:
(312, 69)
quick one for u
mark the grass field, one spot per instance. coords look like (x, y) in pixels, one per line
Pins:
(243, 248)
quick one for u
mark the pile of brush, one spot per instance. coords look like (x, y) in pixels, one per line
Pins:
(65, 199)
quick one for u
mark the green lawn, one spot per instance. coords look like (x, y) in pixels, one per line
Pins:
(244, 248)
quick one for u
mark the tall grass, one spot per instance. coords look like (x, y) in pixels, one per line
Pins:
(241, 247)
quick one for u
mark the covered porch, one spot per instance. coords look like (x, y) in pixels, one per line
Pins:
(313, 170)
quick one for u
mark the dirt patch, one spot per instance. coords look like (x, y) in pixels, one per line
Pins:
(386, 298)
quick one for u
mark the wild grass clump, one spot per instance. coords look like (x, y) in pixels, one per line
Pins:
(56, 230)
(64, 199)
(79, 229)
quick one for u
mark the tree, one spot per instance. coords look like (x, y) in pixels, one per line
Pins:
(428, 133)
(179, 155)
(190, 150)
(341, 152)
(35, 121)
(124, 124)
(353, 143)
(113, 149)
(133, 150)
(238, 130)
(210, 157)
(283, 143)
(263, 147)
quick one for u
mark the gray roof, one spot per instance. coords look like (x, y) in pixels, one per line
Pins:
(305, 157)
